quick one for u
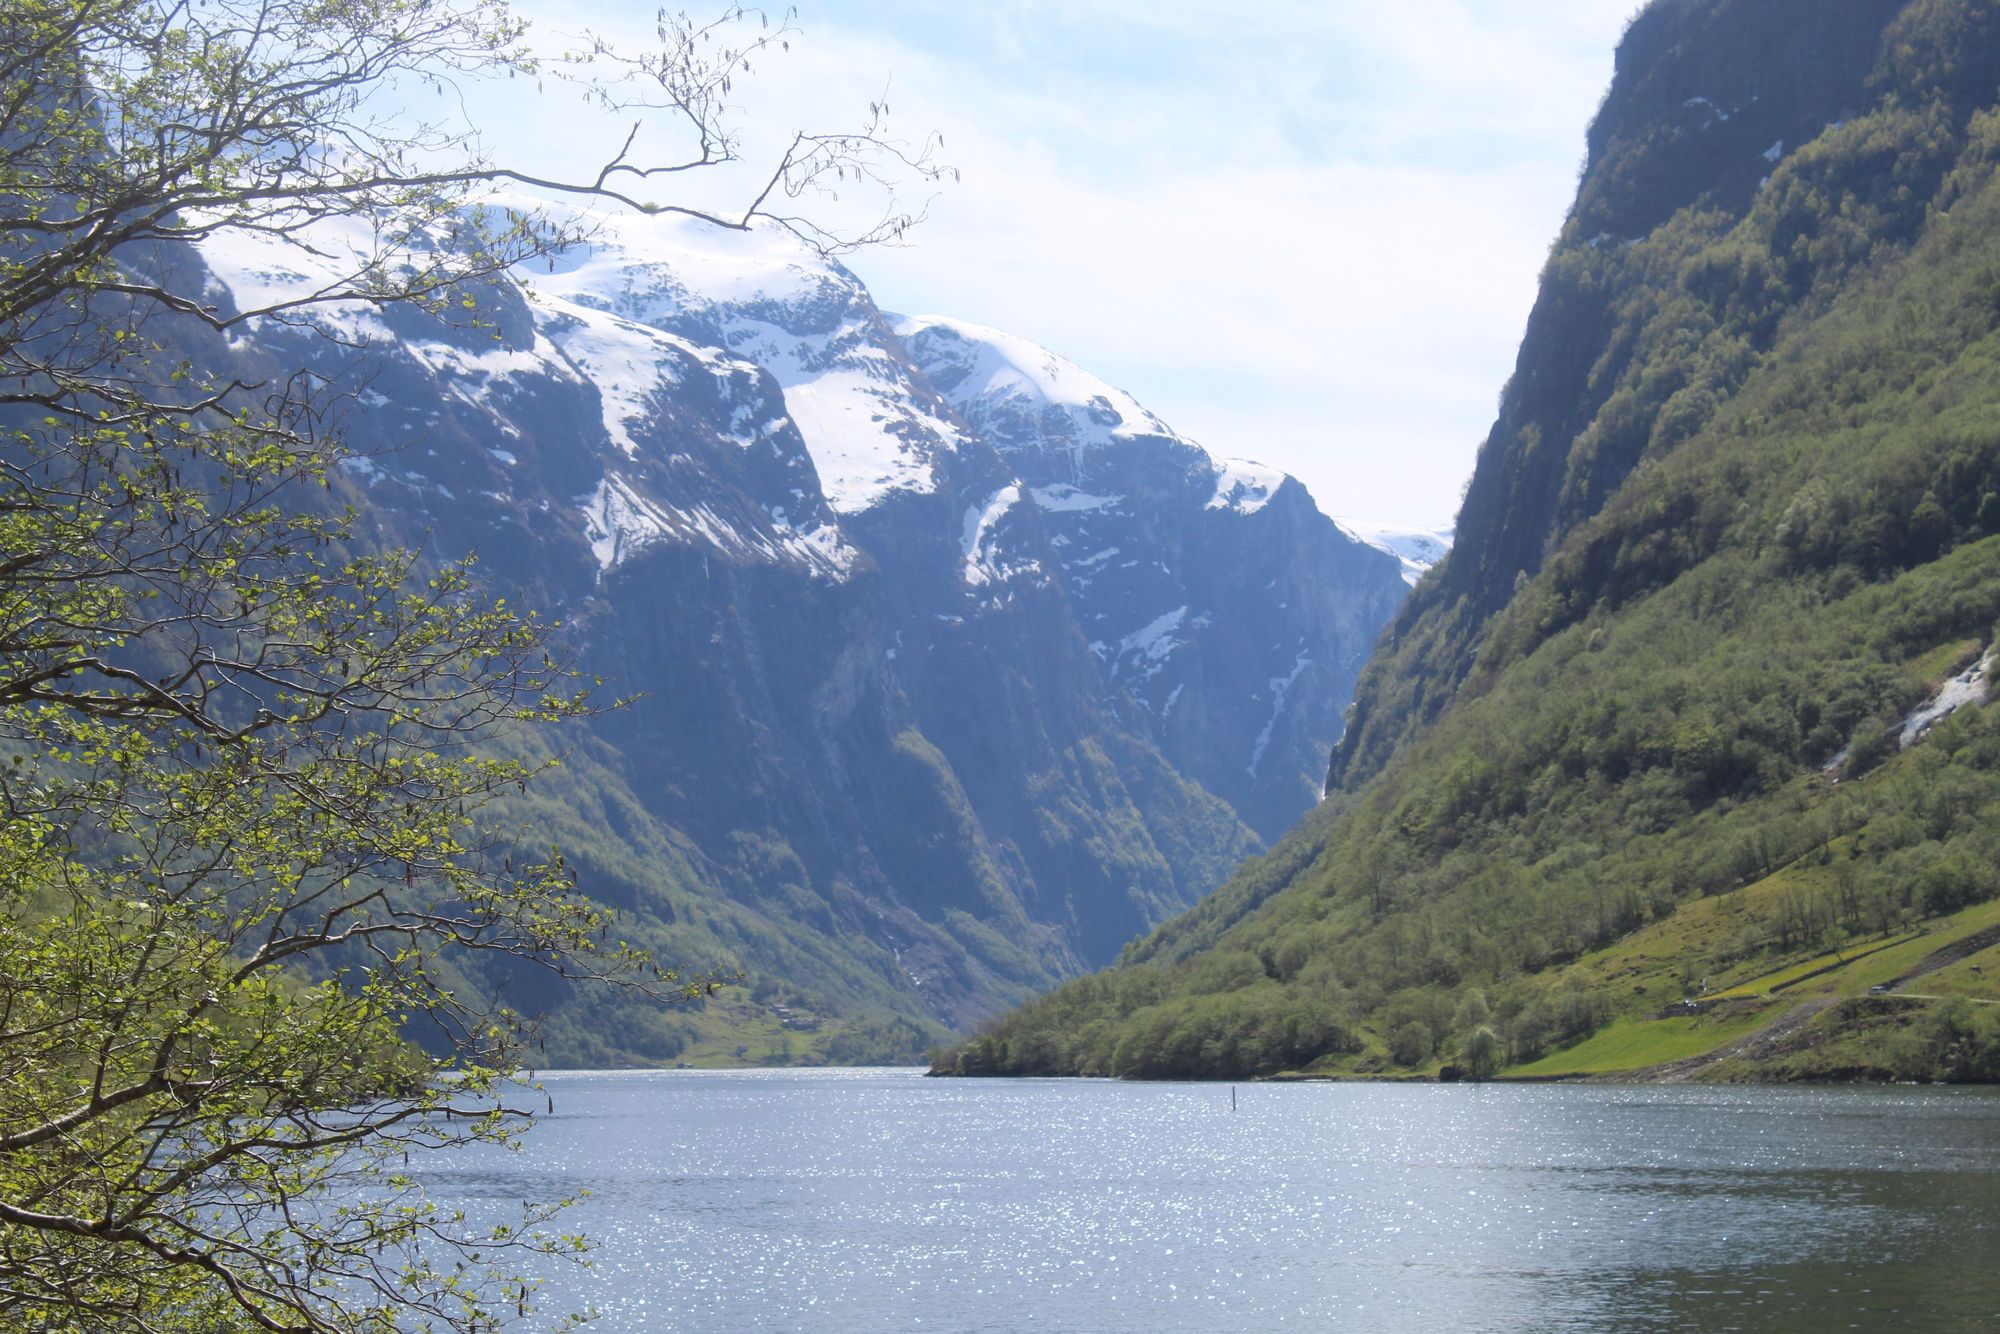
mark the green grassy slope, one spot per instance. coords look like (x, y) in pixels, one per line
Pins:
(791, 996)
(1671, 754)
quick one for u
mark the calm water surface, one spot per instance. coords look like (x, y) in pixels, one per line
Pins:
(877, 1199)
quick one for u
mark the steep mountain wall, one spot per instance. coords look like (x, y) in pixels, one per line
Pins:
(1637, 767)
(1697, 232)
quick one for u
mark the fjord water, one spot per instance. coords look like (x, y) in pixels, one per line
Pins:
(877, 1199)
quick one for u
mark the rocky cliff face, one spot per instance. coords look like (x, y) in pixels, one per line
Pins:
(955, 668)
(1747, 163)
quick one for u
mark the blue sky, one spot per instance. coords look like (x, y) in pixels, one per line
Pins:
(1304, 233)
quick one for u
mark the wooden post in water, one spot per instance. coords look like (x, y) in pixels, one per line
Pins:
(1232, 1097)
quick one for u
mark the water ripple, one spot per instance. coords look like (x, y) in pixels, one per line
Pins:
(864, 1200)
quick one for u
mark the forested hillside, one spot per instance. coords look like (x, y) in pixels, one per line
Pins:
(1642, 771)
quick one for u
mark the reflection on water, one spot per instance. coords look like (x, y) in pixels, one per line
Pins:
(862, 1200)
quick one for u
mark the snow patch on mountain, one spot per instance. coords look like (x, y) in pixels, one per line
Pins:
(1244, 485)
(649, 268)
(287, 274)
(823, 545)
(982, 564)
(1063, 498)
(1140, 655)
(806, 321)
(602, 318)
(483, 368)
(1280, 687)
(618, 521)
(1416, 548)
(631, 365)
(854, 426)
(482, 378)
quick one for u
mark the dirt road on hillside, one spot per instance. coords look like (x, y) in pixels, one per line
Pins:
(1760, 1045)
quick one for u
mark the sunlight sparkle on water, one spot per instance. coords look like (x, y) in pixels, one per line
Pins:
(860, 1200)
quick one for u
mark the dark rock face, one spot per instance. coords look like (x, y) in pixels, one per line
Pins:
(1693, 119)
(1624, 356)
(1690, 118)
(939, 701)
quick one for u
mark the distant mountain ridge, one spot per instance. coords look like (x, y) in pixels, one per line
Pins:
(957, 668)
(1417, 549)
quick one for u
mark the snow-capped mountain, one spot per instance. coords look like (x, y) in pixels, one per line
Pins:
(810, 325)
(1213, 592)
(957, 667)
(1417, 549)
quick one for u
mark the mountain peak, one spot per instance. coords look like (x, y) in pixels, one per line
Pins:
(765, 297)
(1019, 394)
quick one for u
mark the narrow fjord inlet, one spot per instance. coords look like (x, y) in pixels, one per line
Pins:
(488, 587)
